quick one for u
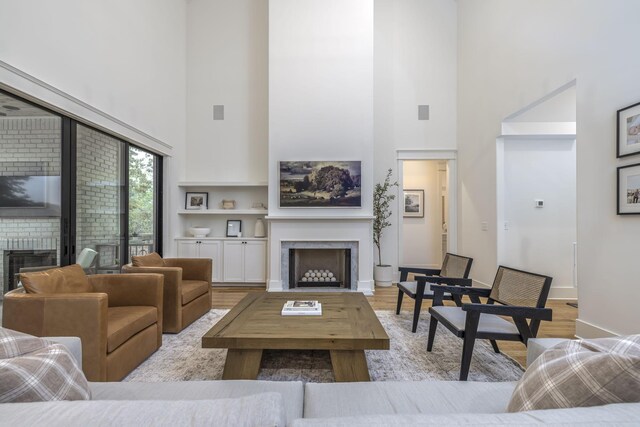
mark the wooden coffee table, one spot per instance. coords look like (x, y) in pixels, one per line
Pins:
(347, 327)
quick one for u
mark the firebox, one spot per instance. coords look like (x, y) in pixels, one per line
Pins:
(320, 268)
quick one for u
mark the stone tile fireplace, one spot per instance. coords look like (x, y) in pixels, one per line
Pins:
(329, 265)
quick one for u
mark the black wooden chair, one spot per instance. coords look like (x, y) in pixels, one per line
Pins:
(455, 271)
(520, 295)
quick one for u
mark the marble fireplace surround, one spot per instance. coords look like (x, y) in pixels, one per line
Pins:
(317, 244)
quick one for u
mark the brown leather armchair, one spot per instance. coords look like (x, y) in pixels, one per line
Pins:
(187, 287)
(118, 317)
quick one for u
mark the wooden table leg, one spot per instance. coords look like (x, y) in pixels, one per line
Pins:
(242, 364)
(349, 365)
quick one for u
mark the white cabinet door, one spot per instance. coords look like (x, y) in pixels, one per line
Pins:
(255, 257)
(187, 249)
(212, 249)
(233, 261)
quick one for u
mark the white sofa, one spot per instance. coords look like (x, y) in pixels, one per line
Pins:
(237, 403)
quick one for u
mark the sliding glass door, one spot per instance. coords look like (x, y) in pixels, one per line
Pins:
(30, 188)
(144, 202)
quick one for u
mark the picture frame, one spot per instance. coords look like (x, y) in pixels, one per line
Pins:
(413, 204)
(628, 190)
(628, 131)
(234, 228)
(196, 201)
(320, 184)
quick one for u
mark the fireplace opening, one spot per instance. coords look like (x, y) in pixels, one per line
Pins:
(14, 260)
(320, 268)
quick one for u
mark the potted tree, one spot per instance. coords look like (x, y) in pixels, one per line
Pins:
(382, 198)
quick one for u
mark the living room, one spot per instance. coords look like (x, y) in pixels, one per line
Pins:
(225, 91)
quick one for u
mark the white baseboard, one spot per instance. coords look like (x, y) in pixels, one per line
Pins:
(588, 330)
(275, 286)
(366, 287)
(563, 293)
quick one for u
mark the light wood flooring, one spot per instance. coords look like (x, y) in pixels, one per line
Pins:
(562, 326)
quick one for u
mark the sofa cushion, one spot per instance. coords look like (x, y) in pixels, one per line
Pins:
(581, 373)
(125, 322)
(489, 323)
(405, 397)
(34, 370)
(69, 279)
(151, 260)
(259, 410)
(192, 289)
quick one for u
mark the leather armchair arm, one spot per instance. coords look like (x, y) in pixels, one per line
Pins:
(82, 315)
(130, 289)
(192, 268)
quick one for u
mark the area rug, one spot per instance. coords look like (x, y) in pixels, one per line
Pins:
(181, 357)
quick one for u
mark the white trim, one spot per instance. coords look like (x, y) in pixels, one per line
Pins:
(367, 287)
(29, 87)
(428, 154)
(588, 330)
(538, 137)
(317, 218)
(275, 286)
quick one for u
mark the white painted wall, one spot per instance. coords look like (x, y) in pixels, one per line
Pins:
(513, 52)
(227, 51)
(415, 62)
(124, 59)
(539, 239)
(422, 237)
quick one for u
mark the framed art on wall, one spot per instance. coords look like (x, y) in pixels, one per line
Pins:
(629, 190)
(326, 184)
(413, 204)
(628, 131)
(196, 201)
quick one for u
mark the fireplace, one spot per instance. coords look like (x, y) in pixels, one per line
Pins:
(319, 268)
(319, 264)
(16, 259)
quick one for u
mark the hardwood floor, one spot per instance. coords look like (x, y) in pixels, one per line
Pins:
(562, 326)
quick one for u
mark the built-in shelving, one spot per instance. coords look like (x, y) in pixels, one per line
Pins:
(221, 184)
(223, 212)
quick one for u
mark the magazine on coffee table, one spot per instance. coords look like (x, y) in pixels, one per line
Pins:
(302, 308)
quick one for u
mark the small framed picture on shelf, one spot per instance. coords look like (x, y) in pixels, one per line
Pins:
(195, 201)
(628, 131)
(629, 190)
(234, 228)
(413, 204)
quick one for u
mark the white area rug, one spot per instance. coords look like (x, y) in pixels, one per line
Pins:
(181, 357)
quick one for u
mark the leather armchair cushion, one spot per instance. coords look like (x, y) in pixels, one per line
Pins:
(192, 289)
(69, 279)
(151, 260)
(125, 322)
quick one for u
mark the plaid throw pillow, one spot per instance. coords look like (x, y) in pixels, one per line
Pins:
(34, 370)
(581, 373)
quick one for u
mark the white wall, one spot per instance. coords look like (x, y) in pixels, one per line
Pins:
(415, 62)
(539, 239)
(118, 64)
(513, 52)
(422, 237)
(227, 51)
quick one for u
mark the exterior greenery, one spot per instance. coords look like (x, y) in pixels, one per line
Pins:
(382, 199)
(140, 192)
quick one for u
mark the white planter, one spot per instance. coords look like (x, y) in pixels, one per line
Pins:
(383, 275)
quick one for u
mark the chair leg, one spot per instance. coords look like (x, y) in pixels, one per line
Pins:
(416, 312)
(433, 325)
(470, 330)
(494, 344)
(400, 295)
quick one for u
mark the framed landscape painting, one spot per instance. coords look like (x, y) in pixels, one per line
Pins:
(628, 131)
(629, 190)
(413, 204)
(320, 184)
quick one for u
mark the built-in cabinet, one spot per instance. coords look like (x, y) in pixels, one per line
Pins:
(203, 248)
(235, 260)
(245, 261)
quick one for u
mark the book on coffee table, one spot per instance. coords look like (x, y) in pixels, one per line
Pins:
(302, 308)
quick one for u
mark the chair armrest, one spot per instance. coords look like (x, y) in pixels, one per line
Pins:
(513, 311)
(461, 290)
(404, 272)
(82, 315)
(455, 281)
(192, 268)
(172, 277)
(130, 289)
